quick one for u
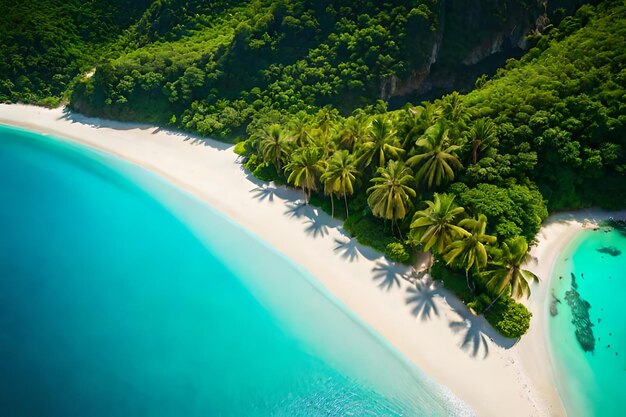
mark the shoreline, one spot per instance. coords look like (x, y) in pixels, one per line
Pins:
(568, 367)
(559, 232)
(426, 324)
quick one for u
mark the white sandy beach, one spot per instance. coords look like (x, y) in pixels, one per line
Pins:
(433, 329)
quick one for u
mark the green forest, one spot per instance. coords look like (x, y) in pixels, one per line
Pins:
(309, 92)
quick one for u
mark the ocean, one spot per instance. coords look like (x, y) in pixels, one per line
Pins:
(121, 295)
(588, 333)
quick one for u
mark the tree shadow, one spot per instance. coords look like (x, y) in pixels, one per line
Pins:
(474, 335)
(347, 249)
(351, 250)
(197, 140)
(422, 298)
(99, 123)
(298, 209)
(387, 275)
(316, 227)
(268, 192)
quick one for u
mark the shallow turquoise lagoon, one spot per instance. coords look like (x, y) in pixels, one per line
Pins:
(591, 382)
(123, 296)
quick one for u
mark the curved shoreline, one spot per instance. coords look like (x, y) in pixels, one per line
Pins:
(571, 363)
(558, 233)
(516, 380)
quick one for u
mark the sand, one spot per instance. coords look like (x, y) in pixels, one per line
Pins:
(493, 375)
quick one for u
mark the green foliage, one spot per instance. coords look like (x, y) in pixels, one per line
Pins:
(559, 110)
(480, 303)
(470, 251)
(506, 272)
(240, 148)
(512, 211)
(547, 131)
(452, 280)
(267, 172)
(436, 227)
(397, 252)
(369, 231)
(391, 193)
(46, 44)
(436, 161)
(510, 318)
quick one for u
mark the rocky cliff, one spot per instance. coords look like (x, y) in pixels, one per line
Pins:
(469, 32)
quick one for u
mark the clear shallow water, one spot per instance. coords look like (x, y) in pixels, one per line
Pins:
(591, 383)
(120, 295)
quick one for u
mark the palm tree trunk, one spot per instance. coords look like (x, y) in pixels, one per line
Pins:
(475, 151)
(332, 205)
(399, 231)
(494, 301)
(345, 200)
(306, 197)
(467, 279)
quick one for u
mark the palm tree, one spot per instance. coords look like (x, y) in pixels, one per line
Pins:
(322, 136)
(507, 273)
(454, 109)
(300, 130)
(304, 168)
(326, 118)
(437, 160)
(482, 135)
(381, 141)
(436, 226)
(274, 145)
(415, 120)
(390, 196)
(354, 131)
(340, 177)
(471, 250)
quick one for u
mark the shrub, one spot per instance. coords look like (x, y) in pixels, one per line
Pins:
(509, 318)
(240, 148)
(368, 231)
(50, 102)
(480, 303)
(397, 252)
(452, 281)
(267, 172)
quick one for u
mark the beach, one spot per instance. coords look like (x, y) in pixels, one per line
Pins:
(432, 328)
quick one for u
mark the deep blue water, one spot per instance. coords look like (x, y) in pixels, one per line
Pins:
(122, 296)
(591, 382)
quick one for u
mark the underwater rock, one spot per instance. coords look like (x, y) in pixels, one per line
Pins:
(553, 304)
(610, 250)
(619, 225)
(581, 321)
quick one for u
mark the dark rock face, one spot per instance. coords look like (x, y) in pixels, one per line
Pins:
(581, 321)
(469, 32)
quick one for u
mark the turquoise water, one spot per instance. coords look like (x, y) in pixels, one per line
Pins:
(123, 296)
(591, 382)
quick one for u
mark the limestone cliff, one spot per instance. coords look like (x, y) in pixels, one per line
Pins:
(469, 32)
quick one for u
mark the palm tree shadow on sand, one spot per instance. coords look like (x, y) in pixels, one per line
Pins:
(475, 330)
(347, 249)
(474, 339)
(298, 210)
(351, 250)
(422, 298)
(316, 227)
(267, 192)
(317, 223)
(387, 274)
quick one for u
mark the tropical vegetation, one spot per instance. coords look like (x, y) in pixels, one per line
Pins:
(317, 95)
